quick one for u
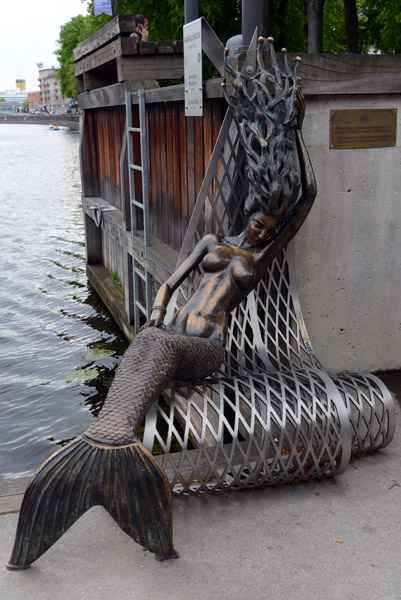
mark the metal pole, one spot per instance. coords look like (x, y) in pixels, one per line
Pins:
(191, 10)
(252, 16)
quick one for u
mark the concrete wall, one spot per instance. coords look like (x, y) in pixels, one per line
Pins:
(349, 249)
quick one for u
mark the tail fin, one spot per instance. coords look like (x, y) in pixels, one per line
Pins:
(126, 480)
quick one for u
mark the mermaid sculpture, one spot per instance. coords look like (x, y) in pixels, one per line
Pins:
(108, 465)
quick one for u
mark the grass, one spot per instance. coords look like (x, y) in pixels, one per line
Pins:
(114, 277)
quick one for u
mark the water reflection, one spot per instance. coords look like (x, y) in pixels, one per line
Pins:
(49, 316)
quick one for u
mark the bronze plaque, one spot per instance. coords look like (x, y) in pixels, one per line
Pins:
(363, 128)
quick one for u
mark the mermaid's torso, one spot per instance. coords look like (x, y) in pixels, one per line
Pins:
(228, 274)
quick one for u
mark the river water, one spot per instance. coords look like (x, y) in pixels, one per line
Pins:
(50, 316)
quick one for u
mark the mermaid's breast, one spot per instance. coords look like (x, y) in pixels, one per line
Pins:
(240, 266)
(243, 272)
(216, 261)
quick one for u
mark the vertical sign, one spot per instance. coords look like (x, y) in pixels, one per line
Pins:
(103, 6)
(193, 68)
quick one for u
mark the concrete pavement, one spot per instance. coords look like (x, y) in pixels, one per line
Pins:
(336, 539)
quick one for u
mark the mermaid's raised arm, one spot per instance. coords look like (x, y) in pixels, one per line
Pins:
(165, 292)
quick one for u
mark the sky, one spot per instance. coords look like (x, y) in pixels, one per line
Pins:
(29, 30)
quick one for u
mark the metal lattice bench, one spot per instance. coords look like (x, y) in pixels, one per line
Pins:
(273, 413)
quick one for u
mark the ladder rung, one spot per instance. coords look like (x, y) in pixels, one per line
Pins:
(136, 167)
(140, 274)
(141, 308)
(139, 204)
(135, 129)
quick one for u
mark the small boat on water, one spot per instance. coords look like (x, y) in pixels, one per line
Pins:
(54, 127)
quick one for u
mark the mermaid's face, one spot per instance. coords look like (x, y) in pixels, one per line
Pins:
(260, 228)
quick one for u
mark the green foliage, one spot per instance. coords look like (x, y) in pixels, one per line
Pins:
(98, 353)
(114, 277)
(334, 36)
(390, 19)
(25, 106)
(289, 25)
(379, 26)
(380, 22)
(81, 375)
(71, 34)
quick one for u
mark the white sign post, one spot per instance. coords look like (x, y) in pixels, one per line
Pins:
(193, 68)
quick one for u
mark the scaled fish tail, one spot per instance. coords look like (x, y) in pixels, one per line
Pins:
(126, 480)
(107, 465)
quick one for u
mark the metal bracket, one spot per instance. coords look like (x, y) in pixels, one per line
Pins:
(249, 66)
(98, 213)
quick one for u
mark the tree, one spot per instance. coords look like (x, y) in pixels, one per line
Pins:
(71, 34)
(390, 19)
(382, 25)
(289, 21)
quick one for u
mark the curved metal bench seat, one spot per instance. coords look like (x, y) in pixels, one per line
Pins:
(248, 431)
(273, 413)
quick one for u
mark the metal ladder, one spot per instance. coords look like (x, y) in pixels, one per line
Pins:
(139, 273)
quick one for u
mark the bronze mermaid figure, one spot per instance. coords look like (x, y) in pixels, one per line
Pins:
(108, 465)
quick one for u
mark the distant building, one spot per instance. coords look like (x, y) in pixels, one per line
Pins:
(20, 84)
(34, 101)
(13, 99)
(51, 97)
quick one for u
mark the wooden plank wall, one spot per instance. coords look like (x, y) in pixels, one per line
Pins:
(179, 152)
(107, 137)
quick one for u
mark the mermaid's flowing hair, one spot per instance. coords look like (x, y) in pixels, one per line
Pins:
(265, 109)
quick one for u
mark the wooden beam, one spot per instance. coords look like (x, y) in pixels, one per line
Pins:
(111, 95)
(119, 47)
(349, 73)
(121, 24)
(335, 74)
(114, 95)
(165, 47)
(151, 66)
(93, 242)
(147, 48)
(112, 295)
(93, 80)
(80, 83)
